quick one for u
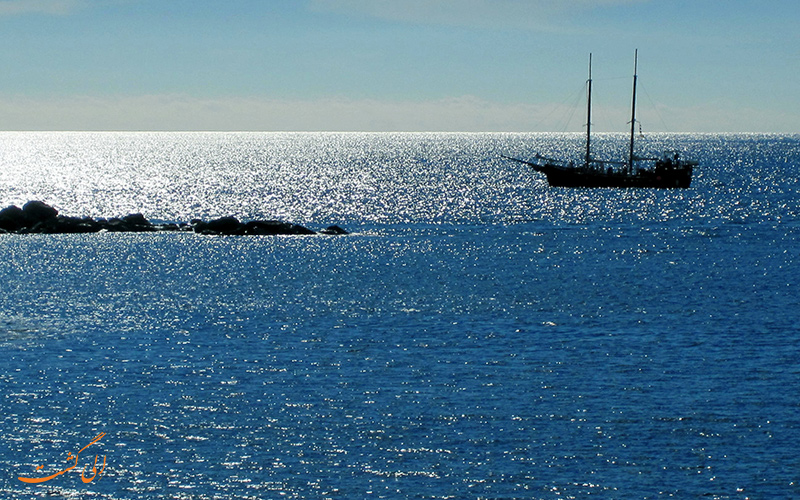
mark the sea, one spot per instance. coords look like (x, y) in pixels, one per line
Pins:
(476, 335)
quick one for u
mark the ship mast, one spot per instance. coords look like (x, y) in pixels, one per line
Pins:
(589, 115)
(633, 110)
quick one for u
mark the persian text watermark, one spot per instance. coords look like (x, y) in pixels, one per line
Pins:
(70, 458)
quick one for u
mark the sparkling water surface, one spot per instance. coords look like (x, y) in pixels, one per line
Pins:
(478, 335)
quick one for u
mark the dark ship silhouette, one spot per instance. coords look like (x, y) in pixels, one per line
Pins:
(667, 171)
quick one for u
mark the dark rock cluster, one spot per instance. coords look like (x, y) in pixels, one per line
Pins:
(36, 217)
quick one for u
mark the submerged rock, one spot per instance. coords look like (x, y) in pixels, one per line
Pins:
(333, 230)
(232, 226)
(38, 217)
(272, 227)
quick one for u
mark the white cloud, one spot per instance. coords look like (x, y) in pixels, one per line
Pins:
(467, 114)
(51, 7)
(169, 112)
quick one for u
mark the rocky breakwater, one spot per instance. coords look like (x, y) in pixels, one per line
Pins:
(36, 217)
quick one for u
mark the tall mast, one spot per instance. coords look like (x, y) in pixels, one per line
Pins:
(589, 115)
(633, 109)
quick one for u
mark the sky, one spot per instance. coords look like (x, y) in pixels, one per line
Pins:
(398, 65)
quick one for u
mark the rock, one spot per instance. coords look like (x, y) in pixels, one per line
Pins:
(136, 223)
(12, 218)
(333, 230)
(38, 217)
(223, 225)
(38, 211)
(67, 225)
(115, 225)
(136, 220)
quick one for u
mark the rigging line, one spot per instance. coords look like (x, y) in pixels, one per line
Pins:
(576, 99)
(660, 117)
(571, 99)
(574, 107)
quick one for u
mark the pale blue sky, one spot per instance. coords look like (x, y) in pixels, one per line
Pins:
(450, 65)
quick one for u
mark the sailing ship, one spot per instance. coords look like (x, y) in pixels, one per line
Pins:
(669, 170)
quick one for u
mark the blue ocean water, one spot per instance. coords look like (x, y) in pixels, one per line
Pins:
(478, 335)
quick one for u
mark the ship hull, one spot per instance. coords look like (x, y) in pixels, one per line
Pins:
(558, 176)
